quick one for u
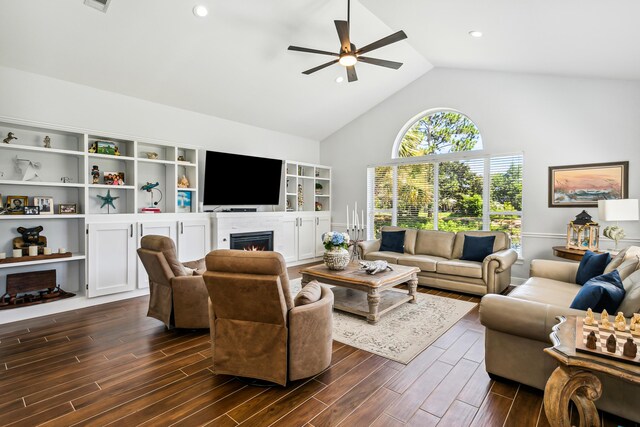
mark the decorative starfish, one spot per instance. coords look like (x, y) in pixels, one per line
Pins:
(107, 200)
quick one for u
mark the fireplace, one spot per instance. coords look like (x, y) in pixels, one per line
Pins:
(257, 241)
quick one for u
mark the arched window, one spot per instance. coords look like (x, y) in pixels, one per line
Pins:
(437, 132)
(438, 180)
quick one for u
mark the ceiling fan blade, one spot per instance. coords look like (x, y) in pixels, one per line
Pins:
(380, 62)
(343, 33)
(395, 37)
(351, 74)
(320, 67)
(307, 50)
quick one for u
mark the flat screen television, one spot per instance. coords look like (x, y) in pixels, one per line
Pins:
(234, 179)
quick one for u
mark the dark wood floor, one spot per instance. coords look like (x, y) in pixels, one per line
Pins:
(111, 365)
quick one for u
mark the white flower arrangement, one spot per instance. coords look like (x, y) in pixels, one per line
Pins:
(335, 239)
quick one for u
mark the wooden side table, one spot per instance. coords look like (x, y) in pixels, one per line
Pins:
(574, 380)
(572, 254)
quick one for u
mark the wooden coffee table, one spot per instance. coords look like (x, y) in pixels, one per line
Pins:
(364, 294)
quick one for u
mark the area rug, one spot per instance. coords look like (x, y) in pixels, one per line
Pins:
(404, 332)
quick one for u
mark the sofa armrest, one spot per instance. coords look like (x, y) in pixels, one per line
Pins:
(493, 265)
(311, 336)
(527, 319)
(368, 246)
(562, 271)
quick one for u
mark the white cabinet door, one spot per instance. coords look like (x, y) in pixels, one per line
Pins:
(157, 228)
(194, 239)
(306, 237)
(289, 238)
(111, 258)
(323, 225)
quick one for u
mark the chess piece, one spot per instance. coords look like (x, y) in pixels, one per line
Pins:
(9, 138)
(589, 320)
(605, 319)
(630, 348)
(47, 142)
(591, 340)
(632, 324)
(620, 322)
(611, 343)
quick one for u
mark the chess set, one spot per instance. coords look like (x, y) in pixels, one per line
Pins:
(615, 340)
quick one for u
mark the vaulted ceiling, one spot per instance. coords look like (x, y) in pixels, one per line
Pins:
(234, 63)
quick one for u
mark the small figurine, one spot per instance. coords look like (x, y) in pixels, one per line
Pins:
(589, 320)
(93, 148)
(591, 340)
(611, 343)
(30, 237)
(183, 182)
(9, 138)
(65, 179)
(47, 142)
(181, 159)
(151, 155)
(373, 267)
(630, 348)
(116, 151)
(620, 322)
(604, 319)
(95, 174)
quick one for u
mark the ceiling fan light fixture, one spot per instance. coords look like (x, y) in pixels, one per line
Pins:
(348, 60)
(200, 10)
(475, 34)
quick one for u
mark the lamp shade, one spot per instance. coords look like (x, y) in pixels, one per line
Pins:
(618, 210)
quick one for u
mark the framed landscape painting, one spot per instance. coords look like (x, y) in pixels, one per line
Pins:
(584, 185)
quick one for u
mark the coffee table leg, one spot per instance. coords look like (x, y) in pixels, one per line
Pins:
(373, 298)
(413, 290)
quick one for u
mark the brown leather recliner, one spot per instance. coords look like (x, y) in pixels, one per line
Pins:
(256, 331)
(178, 294)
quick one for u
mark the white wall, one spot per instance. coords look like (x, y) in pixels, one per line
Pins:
(38, 98)
(553, 120)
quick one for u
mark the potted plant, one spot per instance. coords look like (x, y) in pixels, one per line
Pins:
(318, 188)
(336, 256)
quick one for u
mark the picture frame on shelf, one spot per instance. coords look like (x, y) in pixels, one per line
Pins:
(583, 185)
(67, 208)
(32, 210)
(106, 147)
(16, 204)
(184, 201)
(45, 203)
(114, 178)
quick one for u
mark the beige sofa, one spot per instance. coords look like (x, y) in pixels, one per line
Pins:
(518, 328)
(437, 255)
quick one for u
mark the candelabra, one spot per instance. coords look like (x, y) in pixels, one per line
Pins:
(357, 234)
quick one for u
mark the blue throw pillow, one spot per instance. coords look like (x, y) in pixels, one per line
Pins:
(600, 293)
(477, 248)
(591, 265)
(392, 241)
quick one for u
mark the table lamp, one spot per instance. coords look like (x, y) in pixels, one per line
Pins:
(617, 210)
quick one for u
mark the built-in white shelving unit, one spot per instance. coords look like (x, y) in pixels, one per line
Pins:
(64, 172)
(307, 187)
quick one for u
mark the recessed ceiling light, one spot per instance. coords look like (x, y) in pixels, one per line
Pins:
(476, 34)
(200, 11)
(339, 79)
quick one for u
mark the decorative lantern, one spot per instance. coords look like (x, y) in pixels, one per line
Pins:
(583, 233)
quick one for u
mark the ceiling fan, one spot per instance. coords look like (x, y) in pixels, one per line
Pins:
(349, 55)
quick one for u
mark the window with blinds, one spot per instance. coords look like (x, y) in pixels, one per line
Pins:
(380, 200)
(415, 196)
(505, 197)
(483, 193)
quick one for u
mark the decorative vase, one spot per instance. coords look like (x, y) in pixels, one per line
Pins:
(336, 258)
